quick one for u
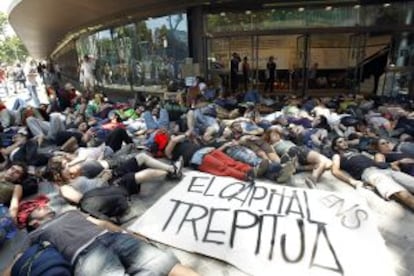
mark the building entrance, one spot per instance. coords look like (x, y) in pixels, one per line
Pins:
(317, 64)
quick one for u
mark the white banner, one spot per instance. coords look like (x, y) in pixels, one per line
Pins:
(268, 229)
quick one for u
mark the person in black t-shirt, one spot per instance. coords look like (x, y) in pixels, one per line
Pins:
(271, 74)
(355, 168)
(234, 71)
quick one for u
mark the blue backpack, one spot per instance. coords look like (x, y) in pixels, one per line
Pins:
(41, 259)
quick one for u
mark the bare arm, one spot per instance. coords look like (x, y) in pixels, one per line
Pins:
(70, 194)
(172, 143)
(379, 157)
(11, 148)
(15, 200)
(341, 175)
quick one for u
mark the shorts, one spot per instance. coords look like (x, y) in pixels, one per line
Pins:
(301, 153)
(124, 164)
(258, 145)
(383, 183)
(123, 254)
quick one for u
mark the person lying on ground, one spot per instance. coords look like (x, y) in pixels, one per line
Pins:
(307, 159)
(356, 169)
(399, 161)
(82, 240)
(11, 188)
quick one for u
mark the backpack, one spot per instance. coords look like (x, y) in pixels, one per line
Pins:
(105, 202)
(41, 259)
(20, 75)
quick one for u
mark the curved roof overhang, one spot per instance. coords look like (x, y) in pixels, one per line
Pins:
(44, 24)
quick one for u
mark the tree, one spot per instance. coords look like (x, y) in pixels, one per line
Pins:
(11, 47)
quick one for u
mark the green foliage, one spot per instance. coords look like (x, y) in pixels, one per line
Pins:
(11, 47)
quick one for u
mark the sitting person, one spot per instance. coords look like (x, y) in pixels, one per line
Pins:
(84, 240)
(352, 167)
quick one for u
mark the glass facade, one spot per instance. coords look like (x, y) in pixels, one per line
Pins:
(152, 52)
(147, 52)
(340, 60)
(308, 17)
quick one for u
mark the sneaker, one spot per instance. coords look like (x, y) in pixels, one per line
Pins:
(178, 169)
(250, 176)
(286, 172)
(261, 168)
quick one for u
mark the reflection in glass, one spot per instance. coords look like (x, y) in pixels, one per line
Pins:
(146, 52)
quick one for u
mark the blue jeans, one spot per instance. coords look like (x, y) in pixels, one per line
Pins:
(18, 104)
(406, 147)
(162, 122)
(244, 155)
(120, 254)
(202, 122)
(33, 94)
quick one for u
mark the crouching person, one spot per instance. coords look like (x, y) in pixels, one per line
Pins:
(96, 247)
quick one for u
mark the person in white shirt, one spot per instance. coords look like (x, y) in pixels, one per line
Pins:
(87, 70)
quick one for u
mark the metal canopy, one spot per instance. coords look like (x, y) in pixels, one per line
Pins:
(43, 24)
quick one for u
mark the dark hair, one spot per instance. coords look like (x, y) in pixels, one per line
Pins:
(334, 141)
(323, 123)
(30, 218)
(53, 169)
(24, 169)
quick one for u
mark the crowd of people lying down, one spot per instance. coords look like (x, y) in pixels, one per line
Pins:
(98, 153)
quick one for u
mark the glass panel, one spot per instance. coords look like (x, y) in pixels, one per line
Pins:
(334, 16)
(149, 52)
(122, 40)
(327, 62)
(395, 14)
(219, 61)
(284, 51)
(162, 48)
(107, 58)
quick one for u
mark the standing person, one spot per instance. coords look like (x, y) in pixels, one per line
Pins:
(234, 70)
(3, 78)
(271, 74)
(246, 72)
(32, 83)
(19, 77)
(87, 71)
(313, 75)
